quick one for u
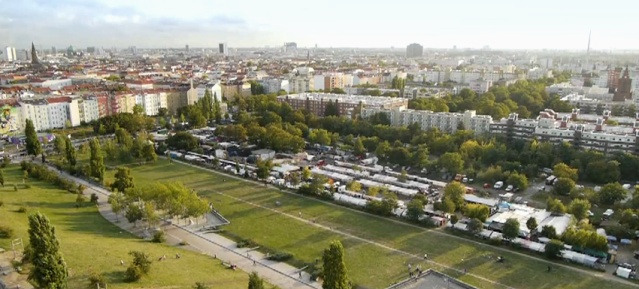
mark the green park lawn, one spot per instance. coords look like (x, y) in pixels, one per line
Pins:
(369, 265)
(89, 243)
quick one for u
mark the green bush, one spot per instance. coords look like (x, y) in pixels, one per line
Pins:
(6, 232)
(132, 274)
(243, 243)
(96, 280)
(159, 237)
(280, 256)
(22, 210)
(1, 203)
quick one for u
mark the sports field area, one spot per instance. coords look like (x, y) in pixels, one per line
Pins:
(89, 243)
(378, 250)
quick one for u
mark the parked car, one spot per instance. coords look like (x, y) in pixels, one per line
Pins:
(498, 185)
(509, 188)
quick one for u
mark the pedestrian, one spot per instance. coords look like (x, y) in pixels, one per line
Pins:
(425, 256)
(465, 270)
(549, 268)
(253, 262)
(300, 274)
(214, 256)
(121, 262)
(177, 256)
(410, 267)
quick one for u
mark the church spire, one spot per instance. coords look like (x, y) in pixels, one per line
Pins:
(34, 55)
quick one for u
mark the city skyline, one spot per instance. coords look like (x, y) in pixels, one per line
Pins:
(375, 24)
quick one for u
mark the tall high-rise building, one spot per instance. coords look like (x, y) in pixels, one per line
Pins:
(186, 48)
(223, 48)
(10, 54)
(623, 88)
(53, 50)
(613, 79)
(414, 50)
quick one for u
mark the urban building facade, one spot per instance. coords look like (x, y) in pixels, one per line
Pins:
(346, 104)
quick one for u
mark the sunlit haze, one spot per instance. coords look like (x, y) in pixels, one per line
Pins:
(438, 24)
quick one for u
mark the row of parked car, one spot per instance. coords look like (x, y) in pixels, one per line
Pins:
(500, 185)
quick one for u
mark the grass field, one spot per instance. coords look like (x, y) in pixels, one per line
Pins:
(369, 265)
(89, 243)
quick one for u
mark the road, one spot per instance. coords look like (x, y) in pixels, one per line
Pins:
(214, 245)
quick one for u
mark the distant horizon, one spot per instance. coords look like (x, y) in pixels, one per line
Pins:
(376, 24)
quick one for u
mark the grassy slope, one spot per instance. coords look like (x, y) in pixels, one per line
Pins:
(364, 260)
(89, 243)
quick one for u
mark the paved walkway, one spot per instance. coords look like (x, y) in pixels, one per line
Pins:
(438, 231)
(276, 273)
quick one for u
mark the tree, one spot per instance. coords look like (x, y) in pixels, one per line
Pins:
(123, 179)
(415, 209)
(59, 144)
(70, 152)
(555, 206)
(117, 202)
(331, 109)
(133, 213)
(548, 232)
(306, 173)
(531, 224)
(34, 147)
(552, 250)
(141, 260)
(477, 211)
(518, 180)
(335, 276)
(563, 186)
(255, 282)
(475, 226)
(148, 153)
(96, 162)
(511, 229)
(611, 193)
(455, 191)
(263, 168)
(354, 186)
(49, 269)
(358, 147)
(452, 162)
(602, 172)
(183, 141)
(579, 208)
(79, 200)
(562, 170)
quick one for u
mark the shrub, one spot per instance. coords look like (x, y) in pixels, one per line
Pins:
(27, 186)
(6, 232)
(141, 260)
(280, 256)
(132, 274)
(243, 243)
(94, 198)
(22, 210)
(96, 280)
(27, 253)
(158, 237)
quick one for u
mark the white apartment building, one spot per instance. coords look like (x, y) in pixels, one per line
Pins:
(10, 54)
(300, 84)
(444, 121)
(37, 111)
(274, 85)
(88, 108)
(56, 84)
(151, 102)
(214, 88)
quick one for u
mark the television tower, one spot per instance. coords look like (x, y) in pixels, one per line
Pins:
(589, 34)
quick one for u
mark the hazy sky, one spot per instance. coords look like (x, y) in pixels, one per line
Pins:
(556, 24)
